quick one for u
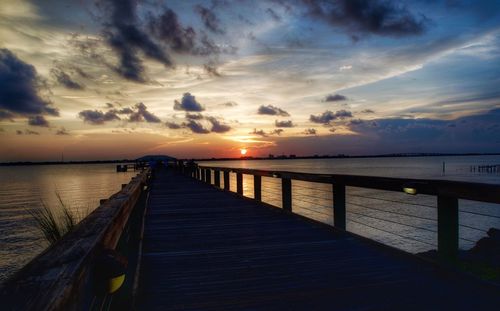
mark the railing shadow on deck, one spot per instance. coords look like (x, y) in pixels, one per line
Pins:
(64, 277)
(445, 193)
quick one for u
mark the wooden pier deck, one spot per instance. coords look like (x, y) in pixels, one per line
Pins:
(205, 249)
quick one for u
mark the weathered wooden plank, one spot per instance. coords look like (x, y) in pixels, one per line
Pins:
(206, 249)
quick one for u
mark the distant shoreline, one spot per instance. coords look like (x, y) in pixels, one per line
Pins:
(278, 157)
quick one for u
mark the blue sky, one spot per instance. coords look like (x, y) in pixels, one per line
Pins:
(113, 79)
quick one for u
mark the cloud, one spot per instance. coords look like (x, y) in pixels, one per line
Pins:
(378, 17)
(97, 117)
(173, 125)
(272, 111)
(328, 116)
(19, 89)
(62, 131)
(335, 98)
(194, 116)
(5, 115)
(125, 110)
(276, 132)
(273, 15)
(38, 121)
(217, 126)
(196, 127)
(27, 132)
(123, 34)
(367, 111)
(210, 20)
(142, 114)
(188, 103)
(211, 70)
(309, 131)
(287, 123)
(65, 80)
(259, 132)
(229, 104)
(168, 28)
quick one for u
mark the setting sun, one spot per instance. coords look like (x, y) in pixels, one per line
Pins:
(243, 151)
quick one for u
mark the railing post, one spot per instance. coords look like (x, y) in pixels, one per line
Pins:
(257, 187)
(209, 176)
(339, 214)
(239, 183)
(195, 172)
(217, 178)
(286, 193)
(204, 175)
(447, 208)
(226, 181)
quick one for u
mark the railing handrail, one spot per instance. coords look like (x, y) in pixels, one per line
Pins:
(53, 280)
(482, 192)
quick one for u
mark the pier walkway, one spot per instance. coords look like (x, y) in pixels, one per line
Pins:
(206, 249)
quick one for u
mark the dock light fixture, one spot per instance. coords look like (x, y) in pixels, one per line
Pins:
(276, 175)
(109, 271)
(410, 189)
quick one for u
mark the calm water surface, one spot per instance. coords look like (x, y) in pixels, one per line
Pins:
(394, 218)
(24, 188)
(403, 221)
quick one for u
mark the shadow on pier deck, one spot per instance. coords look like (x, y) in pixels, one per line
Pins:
(205, 249)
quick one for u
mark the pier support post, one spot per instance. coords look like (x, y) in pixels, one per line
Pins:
(286, 193)
(257, 187)
(217, 178)
(226, 181)
(209, 176)
(339, 214)
(239, 183)
(447, 208)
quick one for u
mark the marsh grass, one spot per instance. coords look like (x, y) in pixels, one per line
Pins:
(55, 222)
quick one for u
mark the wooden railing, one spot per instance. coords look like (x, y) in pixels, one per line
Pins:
(58, 278)
(447, 192)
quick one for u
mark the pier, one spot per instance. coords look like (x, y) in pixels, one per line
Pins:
(192, 244)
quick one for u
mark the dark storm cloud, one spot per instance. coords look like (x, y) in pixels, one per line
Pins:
(196, 127)
(65, 79)
(194, 116)
(173, 125)
(38, 121)
(210, 20)
(126, 38)
(97, 117)
(287, 123)
(217, 126)
(168, 28)
(19, 87)
(310, 131)
(272, 111)
(188, 103)
(368, 16)
(328, 116)
(335, 98)
(142, 114)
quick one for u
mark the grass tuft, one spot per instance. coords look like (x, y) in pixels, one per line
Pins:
(54, 223)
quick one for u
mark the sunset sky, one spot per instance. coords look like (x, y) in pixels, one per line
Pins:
(112, 79)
